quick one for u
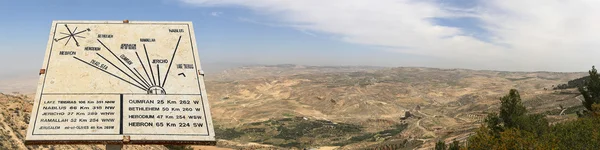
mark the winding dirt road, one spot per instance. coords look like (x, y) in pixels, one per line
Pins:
(423, 128)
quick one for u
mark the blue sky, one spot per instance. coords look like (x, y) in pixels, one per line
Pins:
(491, 35)
(226, 38)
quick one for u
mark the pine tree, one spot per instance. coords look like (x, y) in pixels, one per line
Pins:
(482, 140)
(591, 90)
(455, 145)
(440, 145)
(511, 108)
(493, 123)
(533, 123)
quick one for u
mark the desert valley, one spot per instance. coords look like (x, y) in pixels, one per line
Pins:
(345, 107)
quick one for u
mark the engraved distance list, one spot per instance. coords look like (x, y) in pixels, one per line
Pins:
(132, 114)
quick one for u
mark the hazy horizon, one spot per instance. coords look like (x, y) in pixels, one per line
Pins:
(218, 67)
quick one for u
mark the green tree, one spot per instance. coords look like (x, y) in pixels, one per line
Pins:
(591, 90)
(583, 133)
(455, 145)
(493, 124)
(533, 123)
(516, 139)
(482, 139)
(512, 121)
(511, 108)
(514, 129)
(440, 145)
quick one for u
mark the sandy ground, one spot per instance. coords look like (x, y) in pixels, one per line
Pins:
(328, 147)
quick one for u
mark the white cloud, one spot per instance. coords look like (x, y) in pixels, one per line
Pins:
(547, 32)
(524, 35)
(216, 13)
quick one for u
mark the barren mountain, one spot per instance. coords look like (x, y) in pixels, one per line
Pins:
(291, 106)
(451, 104)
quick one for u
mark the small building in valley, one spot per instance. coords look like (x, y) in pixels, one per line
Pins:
(406, 115)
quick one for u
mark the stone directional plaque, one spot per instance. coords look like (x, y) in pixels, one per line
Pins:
(119, 82)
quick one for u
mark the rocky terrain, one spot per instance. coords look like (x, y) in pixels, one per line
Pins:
(293, 107)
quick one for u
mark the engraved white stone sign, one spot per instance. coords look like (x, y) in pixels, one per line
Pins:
(121, 82)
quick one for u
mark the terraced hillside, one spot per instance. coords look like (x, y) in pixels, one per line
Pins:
(452, 102)
(283, 106)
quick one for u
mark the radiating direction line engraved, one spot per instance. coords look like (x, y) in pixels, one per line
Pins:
(172, 58)
(158, 73)
(144, 66)
(143, 79)
(120, 70)
(156, 90)
(109, 73)
(72, 35)
(149, 65)
(121, 62)
(149, 85)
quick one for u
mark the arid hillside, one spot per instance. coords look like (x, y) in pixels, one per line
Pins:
(291, 106)
(450, 103)
(376, 93)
